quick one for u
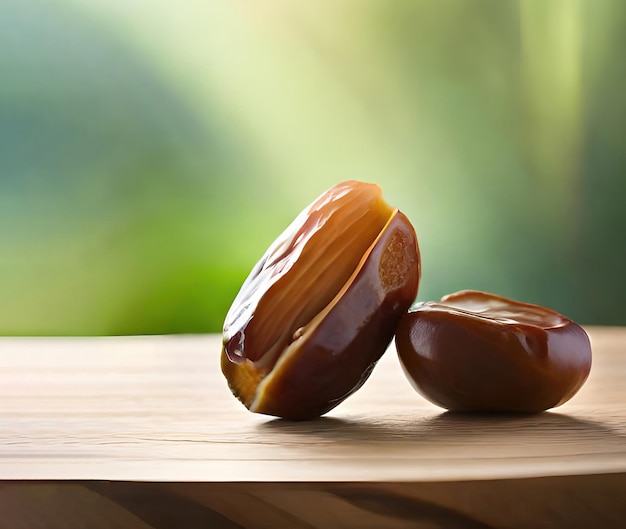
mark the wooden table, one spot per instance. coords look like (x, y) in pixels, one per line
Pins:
(143, 432)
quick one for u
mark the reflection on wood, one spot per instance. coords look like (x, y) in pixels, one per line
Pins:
(564, 501)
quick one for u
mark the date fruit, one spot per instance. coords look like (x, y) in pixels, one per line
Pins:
(474, 351)
(319, 309)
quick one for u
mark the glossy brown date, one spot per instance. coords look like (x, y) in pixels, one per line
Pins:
(321, 306)
(474, 351)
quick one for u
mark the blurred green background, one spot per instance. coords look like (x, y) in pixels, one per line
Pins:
(151, 151)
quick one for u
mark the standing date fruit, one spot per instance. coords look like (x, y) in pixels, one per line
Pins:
(320, 308)
(474, 351)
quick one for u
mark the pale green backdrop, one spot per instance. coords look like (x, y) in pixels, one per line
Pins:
(150, 151)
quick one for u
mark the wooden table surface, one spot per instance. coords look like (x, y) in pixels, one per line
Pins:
(90, 420)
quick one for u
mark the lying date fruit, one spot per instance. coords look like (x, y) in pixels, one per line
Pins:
(320, 308)
(474, 351)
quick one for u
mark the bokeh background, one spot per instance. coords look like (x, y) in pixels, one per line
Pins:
(150, 151)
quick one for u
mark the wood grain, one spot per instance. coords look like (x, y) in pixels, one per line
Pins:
(92, 421)
(108, 408)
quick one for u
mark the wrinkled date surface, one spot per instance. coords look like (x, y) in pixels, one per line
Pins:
(322, 305)
(474, 351)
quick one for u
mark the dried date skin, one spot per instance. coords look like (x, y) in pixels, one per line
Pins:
(475, 351)
(322, 305)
